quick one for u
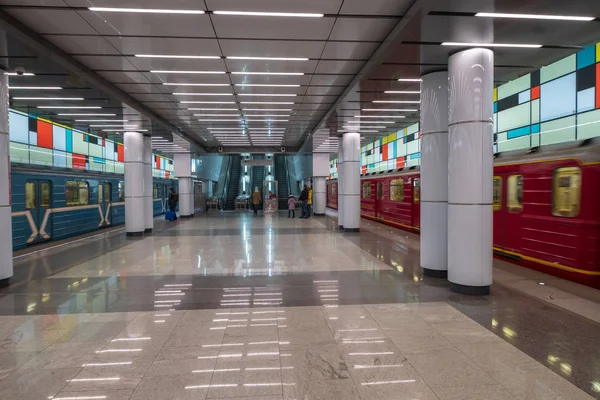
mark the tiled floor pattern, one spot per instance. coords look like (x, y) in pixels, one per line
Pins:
(394, 351)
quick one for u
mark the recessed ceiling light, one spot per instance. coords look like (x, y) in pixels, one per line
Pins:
(195, 84)
(71, 107)
(20, 74)
(114, 126)
(267, 73)
(267, 119)
(219, 120)
(397, 101)
(410, 80)
(402, 91)
(125, 129)
(266, 115)
(389, 109)
(206, 102)
(269, 14)
(87, 115)
(34, 87)
(101, 120)
(216, 115)
(468, 44)
(264, 85)
(203, 94)
(535, 16)
(267, 109)
(160, 71)
(144, 10)
(268, 94)
(266, 102)
(213, 109)
(379, 116)
(50, 98)
(270, 58)
(222, 129)
(177, 56)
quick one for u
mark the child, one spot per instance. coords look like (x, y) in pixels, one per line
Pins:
(291, 206)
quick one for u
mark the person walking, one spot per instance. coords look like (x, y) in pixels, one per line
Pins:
(309, 202)
(291, 206)
(256, 200)
(173, 200)
(303, 201)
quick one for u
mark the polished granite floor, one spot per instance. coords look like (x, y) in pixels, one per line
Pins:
(233, 306)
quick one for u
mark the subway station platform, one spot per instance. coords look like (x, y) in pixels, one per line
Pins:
(234, 306)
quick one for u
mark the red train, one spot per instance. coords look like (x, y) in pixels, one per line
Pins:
(546, 207)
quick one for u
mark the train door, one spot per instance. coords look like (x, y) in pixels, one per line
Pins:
(498, 201)
(416, 207)
(379, 199)
(38, 202)
(164, 198)
(512, 214)
(105, 202)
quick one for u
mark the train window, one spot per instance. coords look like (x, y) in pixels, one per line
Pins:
(30, 195)
(100, 193)
(514, 199)
(397, 190)
(107, 194)
(77, 193)
(416, 190)
(155, 191)
(366, 190)
(566, 192)
(379, 190)
(121, 191)
(45, 194)
(497, 193)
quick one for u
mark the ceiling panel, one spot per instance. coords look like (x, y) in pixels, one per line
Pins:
(82, 44)
(376, 7)
(313, 6)
(339, 67)
(362, 28)
(274, 47)
(273, 66)
(228, 26)
(47, 21)
(349, 50)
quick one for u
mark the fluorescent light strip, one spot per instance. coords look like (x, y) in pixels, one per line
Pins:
(144, 10)
(206, 102)
(50, 98)
(378, 116)
(269, 14)
(263, 85)
(222, 129)
(267, 109)
(101, 120)
(268, 94)
(535, 16)
(410, 80)
(72, 107)
(177, 56)
(219, 120)
(213, 109)
(515, 45)
(402, 91)
(397, 101)
(267, 73)
(15, 74)
(160, 71)
(266, 115)
(267, 119)
(114, 126)
(266, 102)
(389, 109)
(37, 87)
(269, 58)
(216, 115)
(202, 94)
(87, 115)
(195, 84)
(125, 129)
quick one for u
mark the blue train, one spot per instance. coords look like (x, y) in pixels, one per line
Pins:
(54, 204)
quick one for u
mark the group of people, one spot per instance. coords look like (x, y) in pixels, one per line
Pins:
(305, 200)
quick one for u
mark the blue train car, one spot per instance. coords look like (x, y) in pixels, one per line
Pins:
(53, 203)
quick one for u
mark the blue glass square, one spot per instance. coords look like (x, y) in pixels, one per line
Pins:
(586, 57)
(535, 128)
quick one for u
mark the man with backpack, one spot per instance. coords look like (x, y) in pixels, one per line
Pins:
(173, 200)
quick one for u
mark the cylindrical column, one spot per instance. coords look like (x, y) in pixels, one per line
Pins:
(319, 195)
(183, 171)
(434, 174)
(351, 180)
(148, 186)
(470, 170)
(134, 184)
(340, 185)
(6, 251)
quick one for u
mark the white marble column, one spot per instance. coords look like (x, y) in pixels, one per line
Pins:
(351, 180)
(135, 224)
(340, 186)
(183, 171)
(470, 170)
(148, 186)
(6, 251)
(434, 174)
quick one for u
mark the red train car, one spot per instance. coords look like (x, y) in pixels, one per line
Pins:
(546, 207)
(332, 194)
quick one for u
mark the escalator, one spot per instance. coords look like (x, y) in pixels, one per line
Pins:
(281, 177)
(233, 188)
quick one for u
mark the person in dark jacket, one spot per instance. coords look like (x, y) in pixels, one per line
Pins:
(173, 200)
(304, 201)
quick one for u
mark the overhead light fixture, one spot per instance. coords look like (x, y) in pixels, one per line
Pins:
(390, 109)
(216, 115)
(222, 129)
(535, 16)
(379, 116)
(264, 85)
(219, 120)
(160, 71)
(402, 91)
(397, 101)
(144, 10)
(266, 102)
(71, 107)
(101, 120)
(195, 84)
(203, 94)
(213, 109)
(50, 98)
(34, 87)
(114, 126)
(268, 94)
(206, 102)
(86, 115)
(515, 45)
(410, 80)
(177, 56)
(270, 58)
(265, 115)
(125, 129)
(267, 73)
(267, 120)
(266, 109)
(269, 14)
